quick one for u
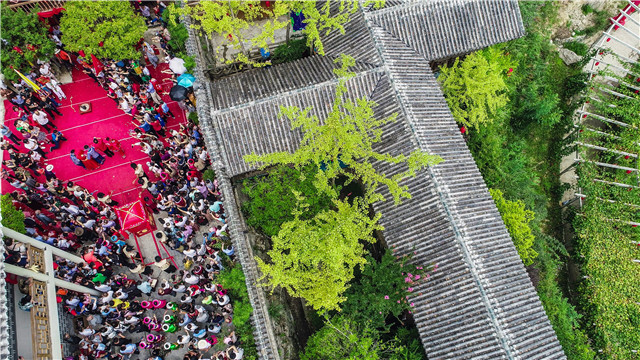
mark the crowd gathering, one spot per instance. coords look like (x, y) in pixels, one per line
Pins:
(146, 310)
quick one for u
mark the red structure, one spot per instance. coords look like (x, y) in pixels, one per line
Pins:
(136, 220)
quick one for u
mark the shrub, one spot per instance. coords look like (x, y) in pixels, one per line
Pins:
(587, 9)
(577, 47)
(193, 117)
(233, 279)
(290, 51)
(12, 218)
(516, 218)
(209, 175)
(271, 198)
(475, 88)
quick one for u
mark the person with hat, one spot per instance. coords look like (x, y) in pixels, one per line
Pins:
(48, 173)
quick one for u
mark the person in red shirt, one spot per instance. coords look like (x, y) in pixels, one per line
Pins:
(114, 146)
(100, 145)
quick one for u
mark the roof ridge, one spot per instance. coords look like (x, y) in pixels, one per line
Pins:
(297, 90)
(371, 19)
(501, 334)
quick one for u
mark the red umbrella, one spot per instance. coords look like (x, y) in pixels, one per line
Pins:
(97, 65)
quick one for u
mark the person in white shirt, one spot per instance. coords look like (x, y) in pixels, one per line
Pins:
(31, 144)
(41, 118)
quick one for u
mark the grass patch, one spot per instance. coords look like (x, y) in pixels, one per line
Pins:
(577, 47)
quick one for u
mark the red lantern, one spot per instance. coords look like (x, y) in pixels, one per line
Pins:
(608, 39)
(18, 50)
(626, 156)
(628, 171)
(597, 63)
(584, 116)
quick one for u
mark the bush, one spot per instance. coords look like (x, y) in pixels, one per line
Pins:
(577, 47)
(193, 117)
(587, 9)
(12, 218)
(516, 218)
(290, 51)
(209, 175)
(271, 198)
(233, 279)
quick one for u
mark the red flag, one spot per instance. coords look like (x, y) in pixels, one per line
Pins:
(81, 52)
(97, 65)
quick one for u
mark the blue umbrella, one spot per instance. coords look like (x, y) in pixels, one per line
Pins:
(186, 80)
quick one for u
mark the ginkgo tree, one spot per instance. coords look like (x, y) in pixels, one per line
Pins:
(233, 19)
(315, 259)
(342, 144)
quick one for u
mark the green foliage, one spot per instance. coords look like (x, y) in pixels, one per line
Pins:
(235, 18)
(563, 316)
(209, 174)
(587, 9)
(233, 279)
(375, 295)
(290, 51)
(272, 197)
(516, 218)
(87, 23)
(12, 218)
(606, 236)
(179, 33)
(315, 259)
(20, 29)
(193, 117)
(577, 47)
(189, 62)
(342, 145)
(342, 338)
(475, 88)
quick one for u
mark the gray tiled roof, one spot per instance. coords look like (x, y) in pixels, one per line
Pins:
(440, 29)
(4, 311)
(480, 303)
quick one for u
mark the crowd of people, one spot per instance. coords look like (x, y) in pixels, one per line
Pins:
(172, 305)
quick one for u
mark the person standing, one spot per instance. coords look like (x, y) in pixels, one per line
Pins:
(93, 154)
(32, 145)
(55, 87)
(100, 145)
(166, 110)
(75, 160)
(41, 118)
(153, 93)
(6, 132)
(57, 138)
(115, 147)
(164, 265)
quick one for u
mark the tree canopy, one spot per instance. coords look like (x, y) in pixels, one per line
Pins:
(475, 88)
(315, 259)
(232, 19)
(107, 29)
(516, 218)
(11, 217)
(342, 144)
(24, 40)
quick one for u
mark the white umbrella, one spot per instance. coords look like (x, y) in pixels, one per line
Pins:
(177, 66)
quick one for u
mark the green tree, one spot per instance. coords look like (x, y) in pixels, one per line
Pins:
(271, 199)
(475, 88)
(11, 217)
(342, 145)
(233, 19)
(25, 32)
(87, 24)
(381, 290)
(342, 338)
(516, 218)
(315, 259)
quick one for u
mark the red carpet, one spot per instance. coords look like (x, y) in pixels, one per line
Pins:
(105, 120)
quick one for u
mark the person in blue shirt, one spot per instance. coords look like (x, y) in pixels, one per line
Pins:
(57, 138)
(166, 110)
(93, 153)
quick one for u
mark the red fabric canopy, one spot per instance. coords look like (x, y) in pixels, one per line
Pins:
(134, 218)
(50, 13)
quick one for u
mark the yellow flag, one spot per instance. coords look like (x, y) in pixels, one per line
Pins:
(28, 81)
